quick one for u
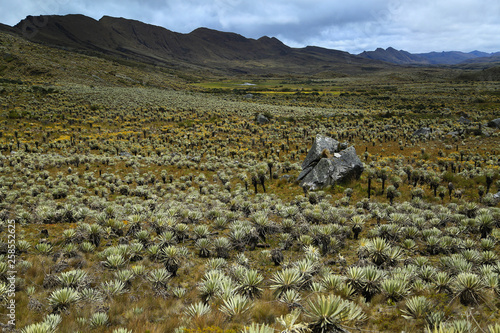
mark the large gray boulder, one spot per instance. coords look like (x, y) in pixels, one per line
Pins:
(494, 123)
(322, 168)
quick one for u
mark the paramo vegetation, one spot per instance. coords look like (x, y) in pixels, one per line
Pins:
(167, 207)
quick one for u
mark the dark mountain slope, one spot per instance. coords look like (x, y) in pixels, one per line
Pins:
(210, 49)
(394, 56)
(495, 58)
(447, 58)
(7, 28)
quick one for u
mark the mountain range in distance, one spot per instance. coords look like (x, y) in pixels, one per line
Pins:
(216, 51)
(402, 57)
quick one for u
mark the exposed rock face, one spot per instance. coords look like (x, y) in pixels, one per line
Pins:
(323, 166)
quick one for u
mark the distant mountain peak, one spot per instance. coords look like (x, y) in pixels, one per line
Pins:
(480, 54)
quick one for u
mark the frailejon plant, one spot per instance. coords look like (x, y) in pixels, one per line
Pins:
(98, 319)
(168, 161)
(468, 287)
(159, 278)
(112, 288)
(62, 299)
(285, 280)
(250, 284)
(291, 298)
(395, 289)
(115, 261)
(235, 305)
(197, 309)
(258, 328)
(290, 323)
(372, 280)
(417, 307)
(75, 279)
(49, 325)
(332, 313)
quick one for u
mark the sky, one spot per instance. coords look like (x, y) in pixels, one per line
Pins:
(354, 26)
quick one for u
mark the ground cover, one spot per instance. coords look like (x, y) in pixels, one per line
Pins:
(163, 207)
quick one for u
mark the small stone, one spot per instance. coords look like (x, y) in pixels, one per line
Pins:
(261, 119)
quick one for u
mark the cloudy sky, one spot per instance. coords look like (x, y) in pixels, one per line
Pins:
(353, 25)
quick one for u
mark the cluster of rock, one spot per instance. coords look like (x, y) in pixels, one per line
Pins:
(424, 131)
(329, 162)
(463, 120)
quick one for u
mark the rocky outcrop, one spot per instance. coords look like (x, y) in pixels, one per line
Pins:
(324, 166)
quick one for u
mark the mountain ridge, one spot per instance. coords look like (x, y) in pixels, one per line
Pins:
(402, 57)
(218, 51)
(203, 48)
(392, 55)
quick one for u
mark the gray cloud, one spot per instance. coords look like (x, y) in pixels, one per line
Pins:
(354, 26)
